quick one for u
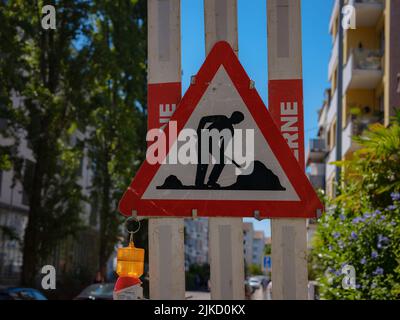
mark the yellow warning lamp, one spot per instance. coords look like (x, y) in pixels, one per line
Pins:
(130, 260)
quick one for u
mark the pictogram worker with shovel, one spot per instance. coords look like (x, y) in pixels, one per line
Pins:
(219, 123)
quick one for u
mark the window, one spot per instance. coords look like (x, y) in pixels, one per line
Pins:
(398, 83)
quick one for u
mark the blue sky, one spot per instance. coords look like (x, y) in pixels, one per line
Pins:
(252, 27)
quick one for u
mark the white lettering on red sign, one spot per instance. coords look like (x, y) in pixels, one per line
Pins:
(289, 125)
(166, 112)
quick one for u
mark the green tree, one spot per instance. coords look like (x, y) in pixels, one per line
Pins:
(117, 119)
(255, 270)
(45, 71)
(362, 226)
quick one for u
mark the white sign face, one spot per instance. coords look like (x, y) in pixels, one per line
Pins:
(222, 107)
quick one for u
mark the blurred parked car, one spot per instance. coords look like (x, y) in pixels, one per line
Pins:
(16, 293)
(255, 282)
(98, 291)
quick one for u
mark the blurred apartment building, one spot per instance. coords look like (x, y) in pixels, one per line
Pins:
(196, 242)
(253, 245)
(70, 254)
(248, 236)
(371, 84)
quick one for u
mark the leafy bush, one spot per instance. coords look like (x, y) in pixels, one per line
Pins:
(362, 225)
(369, 242)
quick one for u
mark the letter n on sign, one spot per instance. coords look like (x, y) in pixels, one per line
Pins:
(286, 108)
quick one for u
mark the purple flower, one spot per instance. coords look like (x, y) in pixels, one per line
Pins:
(392, 207)
(382, 238)
(367, 215)
(342, 217)
(358, 286)
(379, 271)
(374, 255)
(336, 235)
(330, 248)
(358, 219)
(337, 273)
(395, 196)
(341, 244)
(376, 213)
(393, 223)
(354, 235)
(363, 261)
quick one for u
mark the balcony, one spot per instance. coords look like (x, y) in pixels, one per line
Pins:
(363, 70)
(330, 168)
(332, 110)
(355, 127)
(316, 151)
(323, 115)
(368, 12)
(334, 58)
(334, 15)
(316, 175)
(348, 145)
(317, 169)
(318, 181)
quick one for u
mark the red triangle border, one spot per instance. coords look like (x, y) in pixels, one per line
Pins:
(307, 207)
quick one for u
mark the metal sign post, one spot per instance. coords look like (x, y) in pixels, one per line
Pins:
(289, 236)
(225, 234)
(166, 235)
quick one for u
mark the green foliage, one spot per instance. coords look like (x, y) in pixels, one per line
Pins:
(255, 270)
(369, 242)
(87, 78)
(374, 170)
(117, 108)
(362, 226)
(267, 249)
(41, 95)
(197, 277)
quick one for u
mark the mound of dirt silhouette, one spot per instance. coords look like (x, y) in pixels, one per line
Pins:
(261, 178)
(172, 183)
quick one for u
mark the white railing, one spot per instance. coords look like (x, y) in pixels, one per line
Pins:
(330, 169)
(347, 136)
(366, 63)
(317, 145)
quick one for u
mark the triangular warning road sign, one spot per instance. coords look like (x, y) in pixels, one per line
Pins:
(221, 97)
